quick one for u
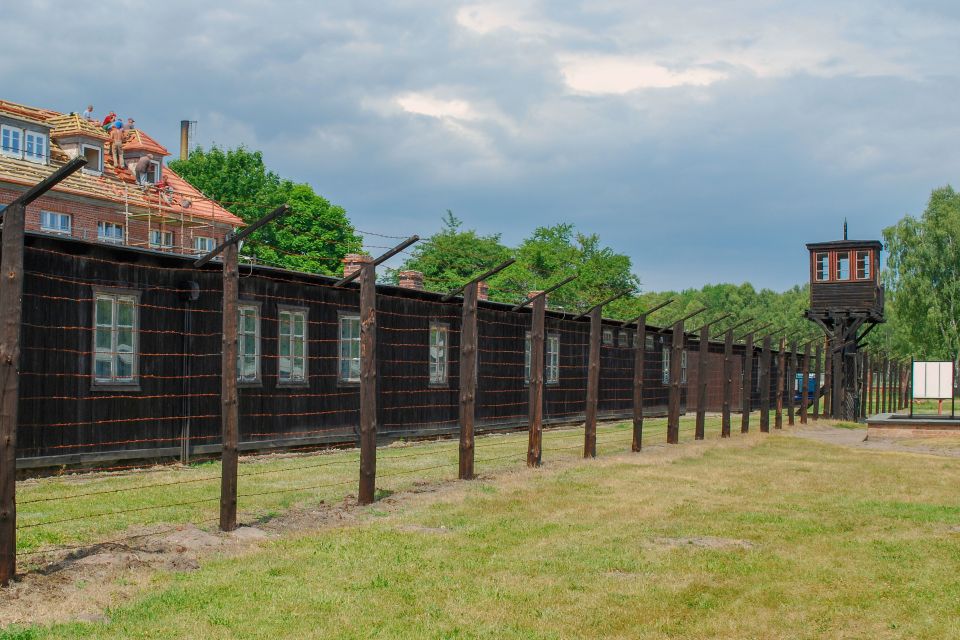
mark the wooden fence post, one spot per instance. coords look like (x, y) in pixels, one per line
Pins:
(765, 385)
(746, 399)
(593, 384)
(790, 382)
(827, 378)
(805, 390)
(817, 369)
(673, 403)
(11, 292)
(537, 337)
(468, 379)
(702, 382)
(639, 364)
(866, 384)
(727, 383)
(228, 398)
(781, 381)
(884, 378)
(368, 383)
(871, 379)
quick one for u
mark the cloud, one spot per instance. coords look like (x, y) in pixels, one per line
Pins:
(622, 74)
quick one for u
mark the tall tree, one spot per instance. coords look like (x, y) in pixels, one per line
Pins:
(313, 237)
(922, 280)
(451, 256)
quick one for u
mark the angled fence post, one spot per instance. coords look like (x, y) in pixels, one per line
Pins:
(704, 353)
(781, 382)
(366, 491)
(791, 381)
(673, 403)
(229, 399)
(468, 379)
(727, 383)
(817, 368)
(765, 385)
(593, 384)
(805, 386)
(537, 339)
(639, 363)
(746, 399)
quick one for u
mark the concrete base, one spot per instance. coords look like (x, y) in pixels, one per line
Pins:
(902, 425)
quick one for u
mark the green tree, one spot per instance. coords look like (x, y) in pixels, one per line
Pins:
(922, 280)
(313, 237)
(451, 257)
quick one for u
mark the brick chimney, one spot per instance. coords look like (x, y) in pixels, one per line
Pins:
(411, 280)
(353, 261)
(483, 290)
(534, 294)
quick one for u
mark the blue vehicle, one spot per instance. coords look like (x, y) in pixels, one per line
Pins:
(798, 387)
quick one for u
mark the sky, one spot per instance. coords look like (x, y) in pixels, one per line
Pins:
(709, 141)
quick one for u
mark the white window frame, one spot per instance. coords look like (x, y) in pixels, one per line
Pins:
(7, 131)
(665, 367)
(816, 266)
(89, 168)
(348, 348)
(203, 244)
(244, 337)
(289, 315)
(102, 225)
(683, 367)
(161, 234)
(607, 336)
(156, 170)
(113, 351)
(552, 353)
(50, 228)
(648, 342)
(623, 339)
(39, 155)
(439, 354)
(837, 261)
(867, 262)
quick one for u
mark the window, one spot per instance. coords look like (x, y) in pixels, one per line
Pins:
(349, 348)
(439, 341)
(683, 367)
(248, 347)
(203, 244)
(94, 156)
(665, 368)
(863, 265)
(823, 266)
(648, 342)
(55, 222)
(115, 339)
(153, 173)
(608, 336)
(623, 339)
(161, 238)
(293, 346)
(551, 355)
(843, 265)
(553, 359)
(11, 141)
(110, 232)
(35, 147)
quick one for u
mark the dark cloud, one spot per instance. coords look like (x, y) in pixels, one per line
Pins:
(708, 144)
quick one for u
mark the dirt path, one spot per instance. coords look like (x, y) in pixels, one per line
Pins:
(857, 439)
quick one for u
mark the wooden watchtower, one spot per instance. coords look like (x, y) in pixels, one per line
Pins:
(846, 301)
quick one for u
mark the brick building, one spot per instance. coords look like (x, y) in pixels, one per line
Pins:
(103, 201)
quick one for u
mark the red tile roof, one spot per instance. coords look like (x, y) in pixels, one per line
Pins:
(115, 184)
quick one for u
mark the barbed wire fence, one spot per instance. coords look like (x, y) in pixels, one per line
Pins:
(152, 389)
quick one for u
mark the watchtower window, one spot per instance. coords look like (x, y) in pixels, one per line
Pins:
(863, 265)
(843, 265)
(823, 266)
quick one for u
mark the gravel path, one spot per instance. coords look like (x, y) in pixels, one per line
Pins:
(857, 439)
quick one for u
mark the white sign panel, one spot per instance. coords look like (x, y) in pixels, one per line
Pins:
(932, 380)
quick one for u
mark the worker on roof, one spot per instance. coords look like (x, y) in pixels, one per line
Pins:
(108, 121)
(116, 145)
(88, 113)
(130, 124)
(142, 169)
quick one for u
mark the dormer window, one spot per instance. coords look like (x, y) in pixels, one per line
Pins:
(153, 174)
(23, 144)
(94, 156)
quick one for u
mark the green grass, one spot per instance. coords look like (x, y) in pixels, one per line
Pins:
(92, 503)
(846, 543)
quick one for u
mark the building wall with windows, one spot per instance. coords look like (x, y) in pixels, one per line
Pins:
(121, 358)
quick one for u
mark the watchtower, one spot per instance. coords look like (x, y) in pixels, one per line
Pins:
(846, 301)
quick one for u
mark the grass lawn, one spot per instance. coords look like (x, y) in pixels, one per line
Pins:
(757, 537)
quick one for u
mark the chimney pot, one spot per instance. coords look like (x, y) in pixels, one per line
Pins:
(353, 261)
(411, 280)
